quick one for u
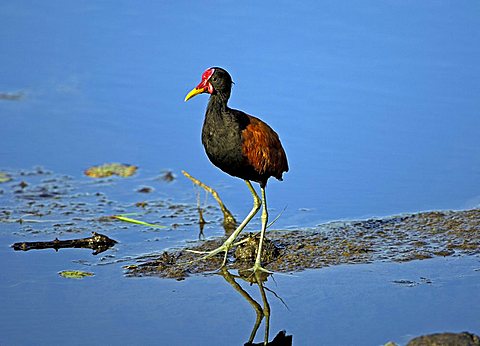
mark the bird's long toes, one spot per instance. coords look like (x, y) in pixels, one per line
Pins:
(197, 252)
(195, 260)
(258, 268)
(210, 254)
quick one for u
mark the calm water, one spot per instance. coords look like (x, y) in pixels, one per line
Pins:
(376, 104)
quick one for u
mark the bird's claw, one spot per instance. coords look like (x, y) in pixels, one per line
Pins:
(258, 268)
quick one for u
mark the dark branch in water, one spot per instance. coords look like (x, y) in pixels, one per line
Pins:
(97, 242)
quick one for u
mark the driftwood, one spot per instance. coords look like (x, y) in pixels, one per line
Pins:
(97, 242)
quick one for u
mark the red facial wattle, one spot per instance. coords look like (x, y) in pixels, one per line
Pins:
(205, 83)
(204, 86)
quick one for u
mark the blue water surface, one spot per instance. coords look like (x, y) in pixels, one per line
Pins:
(376, 103)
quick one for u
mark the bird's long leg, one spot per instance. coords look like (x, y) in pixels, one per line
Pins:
(228, 243)
(258, 261)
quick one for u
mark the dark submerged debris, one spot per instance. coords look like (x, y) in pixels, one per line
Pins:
(410, 283)
(12, 96)
(141, 204)
(399, 238)
(97, 242)
(167, 176)
(145, 189)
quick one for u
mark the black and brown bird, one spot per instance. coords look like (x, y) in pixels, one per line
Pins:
(240, 145)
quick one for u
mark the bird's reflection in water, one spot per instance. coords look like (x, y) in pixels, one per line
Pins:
(258, 279)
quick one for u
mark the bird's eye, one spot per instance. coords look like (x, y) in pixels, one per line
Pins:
(214, 79)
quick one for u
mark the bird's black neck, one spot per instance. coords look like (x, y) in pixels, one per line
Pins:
(217, 103)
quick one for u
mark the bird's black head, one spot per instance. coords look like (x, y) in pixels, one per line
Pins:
(215, 80)
(221, 80)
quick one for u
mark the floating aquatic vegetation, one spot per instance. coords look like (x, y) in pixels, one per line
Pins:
(74, 274)
(4, 177)
(109, 169)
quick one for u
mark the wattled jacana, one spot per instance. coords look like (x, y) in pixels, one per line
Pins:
(240, 145)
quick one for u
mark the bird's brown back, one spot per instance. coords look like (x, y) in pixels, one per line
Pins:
(262, 148)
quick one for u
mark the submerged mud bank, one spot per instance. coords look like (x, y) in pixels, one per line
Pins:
(399, 238)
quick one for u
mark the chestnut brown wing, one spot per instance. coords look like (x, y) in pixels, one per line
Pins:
(262, 148)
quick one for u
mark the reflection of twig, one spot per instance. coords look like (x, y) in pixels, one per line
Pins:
(228, 219)
(201, 220)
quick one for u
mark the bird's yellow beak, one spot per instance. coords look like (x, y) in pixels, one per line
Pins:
(195, 92)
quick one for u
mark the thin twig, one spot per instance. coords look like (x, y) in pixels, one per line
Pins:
(201, 220)
(228, 218)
